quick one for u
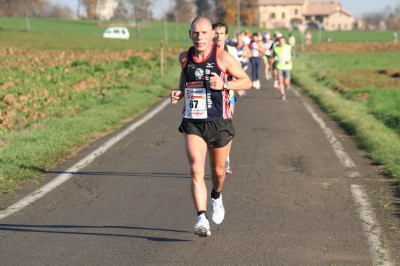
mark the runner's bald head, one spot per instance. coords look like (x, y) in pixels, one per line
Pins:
(199, 20)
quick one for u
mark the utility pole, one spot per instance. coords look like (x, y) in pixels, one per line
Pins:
(238, 16)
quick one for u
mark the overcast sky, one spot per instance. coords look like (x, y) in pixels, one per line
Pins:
(357, 7)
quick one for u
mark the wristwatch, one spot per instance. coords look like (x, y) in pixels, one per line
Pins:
(225, 85)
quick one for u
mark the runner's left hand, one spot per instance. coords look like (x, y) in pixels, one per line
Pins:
(216, 82)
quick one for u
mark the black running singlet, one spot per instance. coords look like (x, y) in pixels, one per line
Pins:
(202, 103)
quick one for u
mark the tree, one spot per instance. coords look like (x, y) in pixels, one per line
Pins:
(226, 10)
(204, 9)
(140, 12)
(20, 8)
(90, 8)
(183, 11)
(59, 11)
(390, 15)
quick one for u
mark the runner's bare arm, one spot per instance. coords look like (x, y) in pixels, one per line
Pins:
(176, 95)
(228, 64)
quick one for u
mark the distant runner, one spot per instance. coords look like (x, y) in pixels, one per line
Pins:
(277, 35)
(257, 49)
(243, 50)
(267, 57)
(284, 56)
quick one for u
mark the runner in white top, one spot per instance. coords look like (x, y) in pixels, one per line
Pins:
(267, 55)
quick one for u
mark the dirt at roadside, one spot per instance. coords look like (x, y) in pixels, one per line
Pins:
(358, 47)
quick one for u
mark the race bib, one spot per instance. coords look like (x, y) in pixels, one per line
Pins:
(283, 60)
(195, 100)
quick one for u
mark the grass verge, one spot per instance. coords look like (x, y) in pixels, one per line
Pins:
(27, 154)
(382, 143)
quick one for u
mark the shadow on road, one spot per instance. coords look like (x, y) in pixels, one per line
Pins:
(49, 229)
(173, 175)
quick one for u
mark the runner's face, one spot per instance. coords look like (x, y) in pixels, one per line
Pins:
(202, 35)
(220, 36)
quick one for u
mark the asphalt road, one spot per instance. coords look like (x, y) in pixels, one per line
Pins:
(288, 201)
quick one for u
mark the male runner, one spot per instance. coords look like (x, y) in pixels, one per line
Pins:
(221, 34)
(206, 123)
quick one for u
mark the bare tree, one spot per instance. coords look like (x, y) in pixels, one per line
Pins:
(140, 12)
(226, 10)
(59, 11)
(390, 16)
(205, 9)
(90, 8)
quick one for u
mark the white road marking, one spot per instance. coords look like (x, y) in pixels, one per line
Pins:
(380, 254)
(344, 158)
(60, 179)
(370, 225)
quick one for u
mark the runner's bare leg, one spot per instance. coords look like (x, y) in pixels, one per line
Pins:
(217, 164)
(281, 85)
(196, 151)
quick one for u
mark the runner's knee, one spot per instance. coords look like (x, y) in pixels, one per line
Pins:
(197, 169)
(218, 171)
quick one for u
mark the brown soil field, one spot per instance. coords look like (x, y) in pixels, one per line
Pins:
(23, 100)
(359, 47)
(27, 59)
(379, 79)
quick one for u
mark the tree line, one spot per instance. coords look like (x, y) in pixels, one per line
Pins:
(216, 10)
(390, 16)
(137, 10)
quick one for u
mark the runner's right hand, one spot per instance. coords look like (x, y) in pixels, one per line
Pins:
(175, 96)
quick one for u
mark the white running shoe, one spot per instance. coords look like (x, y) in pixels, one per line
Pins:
(217, 210)
(202, 227)
(257, 84)
(228, 167)
(276, 85)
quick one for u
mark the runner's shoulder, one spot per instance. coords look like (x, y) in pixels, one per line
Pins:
(182, 57)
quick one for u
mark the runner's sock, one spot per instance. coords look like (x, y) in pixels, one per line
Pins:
(202, 212)
(215, 195)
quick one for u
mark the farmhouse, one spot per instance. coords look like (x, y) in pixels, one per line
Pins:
(274, 14)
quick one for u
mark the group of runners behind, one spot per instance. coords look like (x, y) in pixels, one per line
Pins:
(213, 74)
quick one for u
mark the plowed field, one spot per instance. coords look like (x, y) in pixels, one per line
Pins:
(39, 84)
(360, 47)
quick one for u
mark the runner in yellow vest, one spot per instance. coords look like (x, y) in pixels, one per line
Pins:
(284, 55)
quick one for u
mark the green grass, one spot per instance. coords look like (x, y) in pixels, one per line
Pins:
(53, 116)
(28, 153)
(382, 101)
(64, 34)
(80, 34)
(375, 120)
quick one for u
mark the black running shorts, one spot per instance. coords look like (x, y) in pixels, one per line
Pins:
(216, 134)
